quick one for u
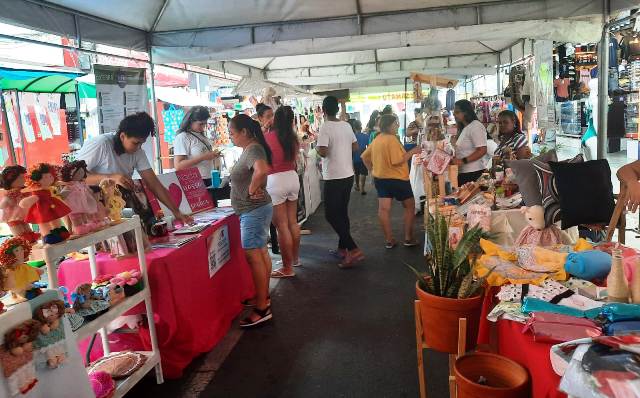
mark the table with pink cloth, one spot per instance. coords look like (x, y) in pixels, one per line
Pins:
(192, 311)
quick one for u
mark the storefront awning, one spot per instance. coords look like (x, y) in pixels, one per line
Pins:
(38, 81)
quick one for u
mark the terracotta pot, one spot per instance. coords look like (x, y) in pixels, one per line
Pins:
(504, 377)
(440, 320)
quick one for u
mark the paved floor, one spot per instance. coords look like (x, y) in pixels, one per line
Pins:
(336, 333)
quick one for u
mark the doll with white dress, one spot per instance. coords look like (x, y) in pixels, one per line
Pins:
(79, 197)
(43, 206)
(13, 181)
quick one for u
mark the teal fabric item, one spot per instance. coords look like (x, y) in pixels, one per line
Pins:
(591, 132)
(616, 312)
(44, 340)
(589, 264)
(532, 304)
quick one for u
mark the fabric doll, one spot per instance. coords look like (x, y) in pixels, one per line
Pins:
(101, 216)
(43, 208)
(74, 319)
(86, 304)
(536, 233)
(12, 179)
(18, 276)
(79, 197)
(112, 198)
(16, 357)
(50, 341)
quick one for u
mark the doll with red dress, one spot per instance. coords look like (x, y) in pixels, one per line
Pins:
(43, 207)
(12, 180)
(79, 198)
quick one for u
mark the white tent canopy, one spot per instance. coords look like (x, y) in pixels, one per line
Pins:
(313, 43)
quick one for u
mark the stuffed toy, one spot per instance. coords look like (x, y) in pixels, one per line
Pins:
(79, 198)
(17, 277)
(536, 233)
(13, 181)
(16, 357)
(87, 303)
(50, 342)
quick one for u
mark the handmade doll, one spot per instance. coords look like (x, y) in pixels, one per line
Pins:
(79, 197)
(86, 304)
(16, 357)
(536, 233)
(43, 208)
(50, 341)
(74, 319)
(18, 276)
(101, 216)
(113, 199)
(12, 180)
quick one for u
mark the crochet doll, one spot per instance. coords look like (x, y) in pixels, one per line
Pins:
(86, 304)
(12, 180)
(50, 341)
(18, 276)
(101, 216)
(43, 207)
(16, 357)
(112, 198)
(79, 197)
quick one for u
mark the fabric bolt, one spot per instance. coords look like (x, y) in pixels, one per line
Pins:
(101, 157)
(191, 144)
(473, 136)
(337, 193)
(279, 163)
(186, 299)
(254, 227)
(622, 328)
(386, 154)
(241, 175)
(79, 198)
(283, 186)
(338, 137)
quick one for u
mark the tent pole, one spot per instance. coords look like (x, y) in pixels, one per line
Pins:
(154, 110)
(9, 139)
(22, 137)
(79, 114)
(603, 83)
(406, 79)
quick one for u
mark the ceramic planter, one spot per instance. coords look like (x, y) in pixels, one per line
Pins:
(502, 377)
(440, 320)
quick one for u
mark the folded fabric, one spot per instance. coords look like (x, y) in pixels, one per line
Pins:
(540, 259)
(623, 327)
(531, 304)
(507, 310)
(590, 264)
(558, 328)
(550, 291)
(616, 312)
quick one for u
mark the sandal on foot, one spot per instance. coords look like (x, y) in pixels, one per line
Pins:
(280, 263)
(251, 302)
(264, 315)
(339, 253)
(410, 243)
(279, 273)
(390, 244)
(351, 260)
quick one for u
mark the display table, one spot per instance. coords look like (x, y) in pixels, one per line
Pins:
(192, 311)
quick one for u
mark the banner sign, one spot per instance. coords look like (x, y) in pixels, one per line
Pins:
(187, 192)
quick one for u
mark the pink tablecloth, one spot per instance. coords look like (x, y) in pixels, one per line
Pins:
(192, 311)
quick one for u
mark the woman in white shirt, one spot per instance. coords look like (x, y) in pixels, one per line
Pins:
(191, 147)
(471, 143)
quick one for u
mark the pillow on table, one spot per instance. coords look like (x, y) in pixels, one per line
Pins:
(527, 179)
(586, 192)
(548, 189)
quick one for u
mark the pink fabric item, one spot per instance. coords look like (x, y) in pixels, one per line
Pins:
(546, 237)
(193, 312)
(102, 384)
(278, 164)
(11, 212)
(80, 198)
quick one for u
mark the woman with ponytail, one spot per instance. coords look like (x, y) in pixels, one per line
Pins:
(283, 186)
(252, 203)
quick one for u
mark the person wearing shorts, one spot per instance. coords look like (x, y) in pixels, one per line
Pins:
(252, 203)
(283, 186)
(387, 160)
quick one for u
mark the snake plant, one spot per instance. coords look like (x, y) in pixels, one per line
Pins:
(448, 271)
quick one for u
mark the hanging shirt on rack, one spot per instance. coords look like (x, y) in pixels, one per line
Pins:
(451, 99)
(562, 87)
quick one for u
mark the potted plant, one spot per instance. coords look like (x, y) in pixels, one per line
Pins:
(446, 288)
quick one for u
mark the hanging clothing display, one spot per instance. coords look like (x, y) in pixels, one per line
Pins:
(451, 99)
(562, 89)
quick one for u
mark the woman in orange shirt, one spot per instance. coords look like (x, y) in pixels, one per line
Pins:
(388, 162)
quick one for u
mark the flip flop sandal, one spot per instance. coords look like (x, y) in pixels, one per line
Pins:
(279, 274)
(280, 263)
(265, 315)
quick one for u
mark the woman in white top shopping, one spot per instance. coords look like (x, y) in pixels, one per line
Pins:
(191, 147)
(471, 143)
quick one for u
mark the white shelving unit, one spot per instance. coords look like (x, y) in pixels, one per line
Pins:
(53, 254)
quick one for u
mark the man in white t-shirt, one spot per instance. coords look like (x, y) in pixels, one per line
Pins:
(336, 144)
(115, 156)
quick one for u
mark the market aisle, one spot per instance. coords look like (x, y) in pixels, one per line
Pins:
(336, 333)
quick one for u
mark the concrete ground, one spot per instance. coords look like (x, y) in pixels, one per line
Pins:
(335, 333)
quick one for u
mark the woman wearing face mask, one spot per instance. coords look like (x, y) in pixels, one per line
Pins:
(250, 200)
(191, 147)
(471, 143)
(512, 139)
